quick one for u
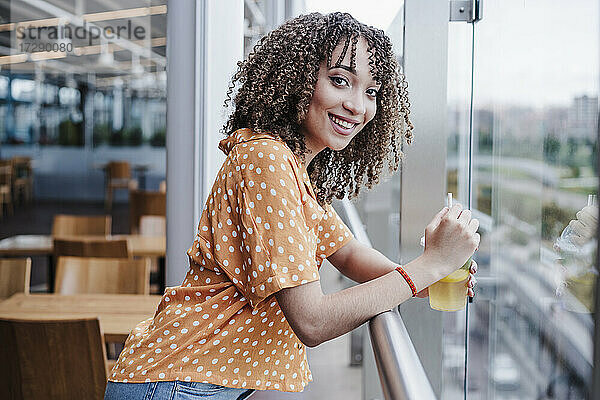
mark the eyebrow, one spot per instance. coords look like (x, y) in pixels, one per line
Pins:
(351, 70)
(346, 67)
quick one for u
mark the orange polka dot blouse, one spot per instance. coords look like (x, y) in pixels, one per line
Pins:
(261, 230)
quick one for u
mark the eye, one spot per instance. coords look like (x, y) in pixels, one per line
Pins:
(372, 92)
(339, 81)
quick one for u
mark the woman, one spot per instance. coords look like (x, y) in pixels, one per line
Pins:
(319, 109)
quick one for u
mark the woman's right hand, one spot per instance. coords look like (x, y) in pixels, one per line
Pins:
(585, 225)
(451, 238)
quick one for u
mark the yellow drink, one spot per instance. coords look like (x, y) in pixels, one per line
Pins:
(582, 288)
(450, 293)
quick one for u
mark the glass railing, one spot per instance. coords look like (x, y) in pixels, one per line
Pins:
(401, 373)
(531, 114)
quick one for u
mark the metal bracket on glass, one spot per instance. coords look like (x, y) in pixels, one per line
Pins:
(467, 11)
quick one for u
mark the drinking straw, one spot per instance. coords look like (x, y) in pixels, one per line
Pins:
(449, 201)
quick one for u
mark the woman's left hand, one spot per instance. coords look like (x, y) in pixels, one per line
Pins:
(472, 280)
(470, 283)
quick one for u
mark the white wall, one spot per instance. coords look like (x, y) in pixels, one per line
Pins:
(425, 63)
(204, 42)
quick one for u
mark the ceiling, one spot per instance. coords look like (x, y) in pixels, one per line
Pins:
(129, 39)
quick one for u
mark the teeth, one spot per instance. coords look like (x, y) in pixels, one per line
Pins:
(342, 123)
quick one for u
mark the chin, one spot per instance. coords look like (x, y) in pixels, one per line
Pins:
(338, 148)
(337, 145)
(340, 143)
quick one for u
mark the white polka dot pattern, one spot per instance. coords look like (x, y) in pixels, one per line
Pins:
(261, 230)
(275, 238)
(332, 233)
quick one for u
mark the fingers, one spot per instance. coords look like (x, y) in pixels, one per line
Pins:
(477, 240)
(454, 212)
(575, 225)
(583, 233)
(437, 219)
(473, 225)
(465, 217)
(472, 280)
(592, 211)
(579, 227)
(587, 217)
(470, 285)
(473, 268)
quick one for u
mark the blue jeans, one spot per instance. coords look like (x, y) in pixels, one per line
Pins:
(173, 390)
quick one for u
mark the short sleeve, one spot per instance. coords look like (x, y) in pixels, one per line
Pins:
(332, 233)
(278, 251)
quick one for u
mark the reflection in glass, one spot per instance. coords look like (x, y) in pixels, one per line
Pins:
(457, 170)
(535, 164)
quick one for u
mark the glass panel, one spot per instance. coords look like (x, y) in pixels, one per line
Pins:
(460, 41)
(534, 164)
(82, 83)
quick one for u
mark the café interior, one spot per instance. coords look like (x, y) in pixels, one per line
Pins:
(110, 115)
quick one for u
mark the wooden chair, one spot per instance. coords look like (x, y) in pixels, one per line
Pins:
(22, 178)
(154, 225)
(118, 176)
(50, 360)
(77, 275)
(145, 203)
(77, 225)
(6, 197)
(102, 248)
(14, 276)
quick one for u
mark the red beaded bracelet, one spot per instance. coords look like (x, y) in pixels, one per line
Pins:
(408, 280)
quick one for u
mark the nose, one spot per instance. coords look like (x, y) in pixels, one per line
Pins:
(355, 103)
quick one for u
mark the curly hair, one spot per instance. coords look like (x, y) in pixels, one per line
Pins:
(276, 83)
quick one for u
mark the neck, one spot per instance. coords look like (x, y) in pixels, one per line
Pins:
(314, 149)
(308, 158)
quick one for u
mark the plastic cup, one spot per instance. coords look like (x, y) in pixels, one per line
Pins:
(581, 289)
(450, 293)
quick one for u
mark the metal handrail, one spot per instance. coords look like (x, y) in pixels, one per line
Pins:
(400, 370)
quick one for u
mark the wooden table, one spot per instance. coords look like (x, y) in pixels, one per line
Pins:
(118, 313)
(42, 245)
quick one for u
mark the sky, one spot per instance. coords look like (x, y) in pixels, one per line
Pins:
(535, 52)
(528, 52)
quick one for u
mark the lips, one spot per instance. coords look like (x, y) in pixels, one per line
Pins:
(342, 125)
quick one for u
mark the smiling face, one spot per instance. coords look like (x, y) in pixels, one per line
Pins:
(343, 102)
